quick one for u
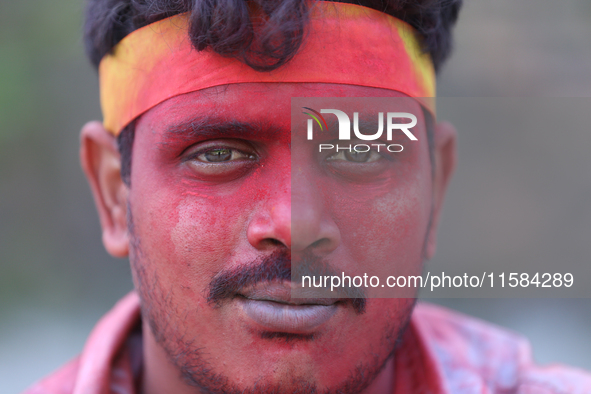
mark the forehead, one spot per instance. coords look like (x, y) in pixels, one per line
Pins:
(265, 102)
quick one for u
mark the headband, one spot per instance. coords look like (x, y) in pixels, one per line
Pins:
(344, 44)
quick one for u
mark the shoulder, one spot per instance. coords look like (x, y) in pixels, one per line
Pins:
(111, 356)
(471, 352)
(59, 382)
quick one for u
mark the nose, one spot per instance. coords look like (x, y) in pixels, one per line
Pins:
(270, 226)
(297, 217)
(313, 229)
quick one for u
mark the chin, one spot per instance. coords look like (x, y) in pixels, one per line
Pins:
(343, 354)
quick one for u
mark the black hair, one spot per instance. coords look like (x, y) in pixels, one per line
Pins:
(225, 26)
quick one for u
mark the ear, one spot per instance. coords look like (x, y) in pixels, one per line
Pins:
(101, 163)
(445, 157)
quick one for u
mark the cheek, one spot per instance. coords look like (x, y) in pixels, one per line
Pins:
(203, 237)
(398, 218)
(383, 229)
(190, 231)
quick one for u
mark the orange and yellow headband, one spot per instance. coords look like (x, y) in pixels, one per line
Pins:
(345, 44)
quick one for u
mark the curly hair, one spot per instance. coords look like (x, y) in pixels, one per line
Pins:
(225, 25)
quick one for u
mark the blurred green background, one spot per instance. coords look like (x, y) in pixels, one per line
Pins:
(56, 279)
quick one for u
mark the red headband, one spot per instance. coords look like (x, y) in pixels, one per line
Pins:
(346, 44)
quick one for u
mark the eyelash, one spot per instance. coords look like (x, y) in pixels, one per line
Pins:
(195, 155)
(251, 152)
(383, 154)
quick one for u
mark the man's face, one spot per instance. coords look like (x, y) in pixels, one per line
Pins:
(213, 195)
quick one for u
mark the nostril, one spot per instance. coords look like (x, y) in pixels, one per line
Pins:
(320, 244)
(271, 243)
(275, 242)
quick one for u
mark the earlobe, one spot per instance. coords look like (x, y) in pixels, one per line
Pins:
(445, 156)
(101, 163)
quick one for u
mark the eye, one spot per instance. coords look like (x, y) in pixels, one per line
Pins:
(362, 163)
(221, 160)
(219, 155)
(355, 156)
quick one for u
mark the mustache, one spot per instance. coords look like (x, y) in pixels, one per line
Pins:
(277, 267)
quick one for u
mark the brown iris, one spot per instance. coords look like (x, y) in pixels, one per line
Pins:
(218, 155)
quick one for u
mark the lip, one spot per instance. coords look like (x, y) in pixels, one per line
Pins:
(272, 307)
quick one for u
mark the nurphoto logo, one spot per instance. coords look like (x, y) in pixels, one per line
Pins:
(395, 122)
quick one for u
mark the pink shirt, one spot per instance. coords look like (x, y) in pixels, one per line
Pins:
(443, 352)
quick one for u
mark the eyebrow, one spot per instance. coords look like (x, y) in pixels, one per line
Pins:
(215, 127)
(332, 130)
(365, 126)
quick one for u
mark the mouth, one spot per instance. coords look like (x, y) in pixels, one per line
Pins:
(271, 307)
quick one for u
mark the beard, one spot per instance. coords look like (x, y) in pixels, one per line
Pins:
(191, 359)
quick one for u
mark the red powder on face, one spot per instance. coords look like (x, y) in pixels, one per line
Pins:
(193, 222)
